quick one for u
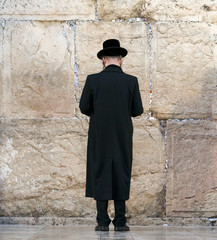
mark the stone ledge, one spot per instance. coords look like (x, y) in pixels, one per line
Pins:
(155, 10)
(48, 10)
(140, 221)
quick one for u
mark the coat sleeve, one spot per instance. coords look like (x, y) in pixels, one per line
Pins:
(136, 107)
(86, 101)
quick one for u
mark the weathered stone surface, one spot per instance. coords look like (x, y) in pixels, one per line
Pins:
(43, 168)
(43, 67)
(192, 173)
(132, 36)
(182, 10)
(38, 69)
(48, 10)
(183, 74)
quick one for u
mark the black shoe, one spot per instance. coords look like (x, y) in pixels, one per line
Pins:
(101, 228)
(123, 228)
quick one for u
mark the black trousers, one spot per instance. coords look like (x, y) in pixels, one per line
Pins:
(103, 217)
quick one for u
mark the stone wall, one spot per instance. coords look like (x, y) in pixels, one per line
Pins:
(47, 48)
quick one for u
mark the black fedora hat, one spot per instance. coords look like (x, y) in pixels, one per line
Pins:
(111, 47)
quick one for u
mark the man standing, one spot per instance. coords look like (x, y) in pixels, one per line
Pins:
(110, 98)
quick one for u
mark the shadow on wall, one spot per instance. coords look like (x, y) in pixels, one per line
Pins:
(203, 104)
(197, 98)
(192, 155)
(2, 211)
(4, 170)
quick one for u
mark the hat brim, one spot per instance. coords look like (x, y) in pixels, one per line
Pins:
(113, 51)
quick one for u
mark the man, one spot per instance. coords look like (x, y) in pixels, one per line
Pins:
(110, 98)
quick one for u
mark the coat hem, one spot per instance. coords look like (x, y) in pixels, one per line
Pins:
(108, 199)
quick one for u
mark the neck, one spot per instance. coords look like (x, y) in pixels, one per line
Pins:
(117, 64)
(111, 64)
(112, 61)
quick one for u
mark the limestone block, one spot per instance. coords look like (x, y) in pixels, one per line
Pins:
(147, 196)
(182, 10)
(183, 73)
(192, 173)
(43, 167)
(38, 69)
(48, 10)
(132, 36)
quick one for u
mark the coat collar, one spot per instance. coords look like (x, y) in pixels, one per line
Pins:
(113, 68)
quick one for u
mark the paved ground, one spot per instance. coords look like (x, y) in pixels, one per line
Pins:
(72, 232)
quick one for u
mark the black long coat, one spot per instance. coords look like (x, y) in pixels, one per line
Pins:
(110, 98)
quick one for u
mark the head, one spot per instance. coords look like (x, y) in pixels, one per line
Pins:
(108, 60)
(112, 53)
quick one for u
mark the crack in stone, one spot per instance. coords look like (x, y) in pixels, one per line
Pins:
(188, 119)
(43, 118)
(68, 44)
(73, 25)
(4, 2)
(3, 24)
(96, 10)
(190, 197)
(163, 130)
(128, 20)
(149, 134)
(150, 63)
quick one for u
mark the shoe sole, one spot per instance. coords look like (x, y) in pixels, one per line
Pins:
(102, 230)
(122, 230)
